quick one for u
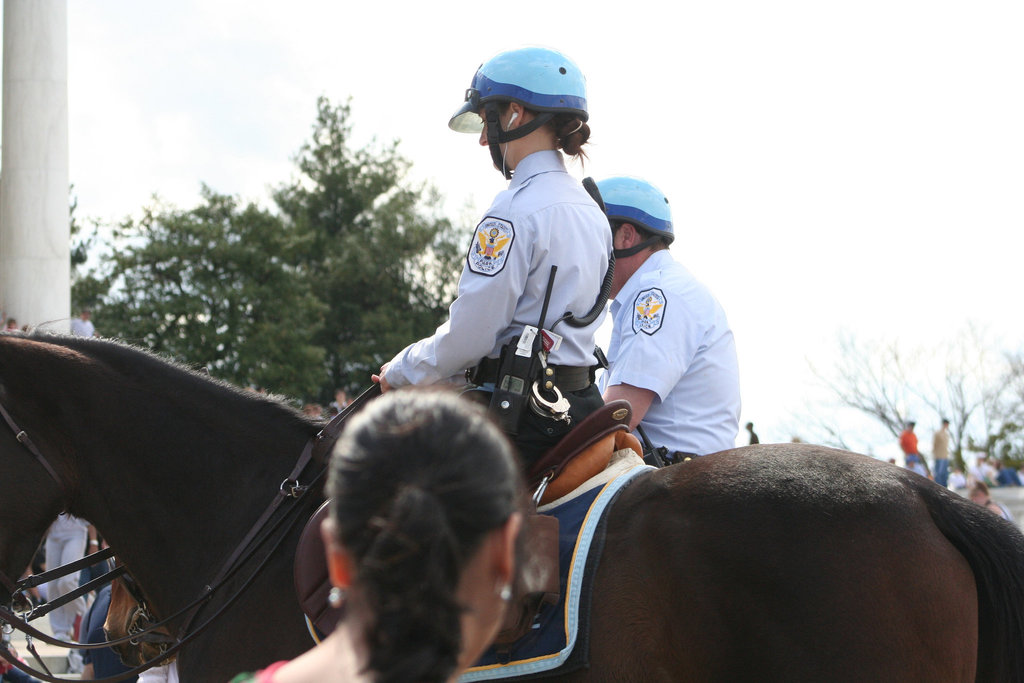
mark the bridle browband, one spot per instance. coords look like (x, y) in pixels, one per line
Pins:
(316, 449)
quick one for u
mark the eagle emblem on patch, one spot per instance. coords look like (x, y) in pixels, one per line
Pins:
(492, 242)
(649, 311)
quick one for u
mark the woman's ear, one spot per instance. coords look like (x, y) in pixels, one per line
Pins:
(339, 563)
(516, 114)
(508, 535)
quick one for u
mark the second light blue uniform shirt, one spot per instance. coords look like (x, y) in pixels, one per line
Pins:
(671, 336)
(544, 218)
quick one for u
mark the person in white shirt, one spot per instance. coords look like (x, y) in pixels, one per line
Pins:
(66, 541)
(82, 325)
(672, 353)
(527, 105)
(982, 472)
(957, 480)
(165, 673)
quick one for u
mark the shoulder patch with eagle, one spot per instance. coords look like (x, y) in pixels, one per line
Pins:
(492, 242)
(649, 311)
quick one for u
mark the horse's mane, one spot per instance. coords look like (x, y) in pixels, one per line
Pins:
(136, 363)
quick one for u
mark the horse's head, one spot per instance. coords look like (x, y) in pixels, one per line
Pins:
(66, 430)
(170, 466)
(129, 615)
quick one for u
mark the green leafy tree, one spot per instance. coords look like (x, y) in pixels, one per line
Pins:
(381, 257)
(217, 286)
(356, 264)
(1007, 443)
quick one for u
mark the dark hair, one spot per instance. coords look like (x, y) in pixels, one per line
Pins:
(572, 133)
(417, 480)
(658, 242)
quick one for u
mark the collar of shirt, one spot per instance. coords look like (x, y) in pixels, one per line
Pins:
(656, 261)
(544, 161)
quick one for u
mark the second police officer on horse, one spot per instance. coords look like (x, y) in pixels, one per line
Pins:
(672, 353)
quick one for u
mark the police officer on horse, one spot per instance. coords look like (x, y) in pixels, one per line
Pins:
(535, 261)
(672, 353)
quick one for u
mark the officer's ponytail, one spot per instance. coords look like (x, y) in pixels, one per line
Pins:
(572, 133)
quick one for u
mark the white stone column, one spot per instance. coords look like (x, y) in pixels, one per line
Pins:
(35, 242)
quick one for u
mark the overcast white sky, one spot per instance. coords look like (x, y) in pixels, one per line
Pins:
(830, 164)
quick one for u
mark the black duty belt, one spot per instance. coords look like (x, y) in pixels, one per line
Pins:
(681, 456)
(566, 377)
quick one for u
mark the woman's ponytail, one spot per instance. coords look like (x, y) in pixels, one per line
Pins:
(572, 133)
(417, 481)
(409, 573)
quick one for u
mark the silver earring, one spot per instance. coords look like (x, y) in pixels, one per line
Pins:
(506, 593)
(336, 597)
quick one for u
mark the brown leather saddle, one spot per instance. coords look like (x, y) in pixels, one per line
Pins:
(312, 583)
(583, 453)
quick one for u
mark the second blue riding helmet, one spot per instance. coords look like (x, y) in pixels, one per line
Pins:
(541, 79)
(638, 202)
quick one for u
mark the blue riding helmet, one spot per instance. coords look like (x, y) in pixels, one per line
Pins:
(539, 78)
(636, 201)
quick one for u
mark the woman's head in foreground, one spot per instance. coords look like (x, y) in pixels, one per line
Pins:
(425, 496)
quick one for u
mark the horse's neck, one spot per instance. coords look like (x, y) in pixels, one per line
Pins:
(174, 505)
(172, 469)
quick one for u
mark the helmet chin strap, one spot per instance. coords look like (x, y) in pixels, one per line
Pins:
(496, 136)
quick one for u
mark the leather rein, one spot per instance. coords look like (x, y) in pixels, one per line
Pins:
(316, 449)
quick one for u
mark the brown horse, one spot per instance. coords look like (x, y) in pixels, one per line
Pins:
(802, 563)
(770, 562)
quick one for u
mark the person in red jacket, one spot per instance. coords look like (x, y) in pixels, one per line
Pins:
(908, 443)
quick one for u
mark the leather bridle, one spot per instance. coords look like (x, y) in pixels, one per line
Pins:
(263, 530)
(26, 441)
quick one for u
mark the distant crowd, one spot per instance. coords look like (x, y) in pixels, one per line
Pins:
(80, 327)
(980, 477)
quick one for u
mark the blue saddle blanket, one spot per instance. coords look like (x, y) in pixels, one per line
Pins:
(559, 628)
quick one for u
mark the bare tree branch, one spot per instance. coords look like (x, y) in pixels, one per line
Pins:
(964, 380)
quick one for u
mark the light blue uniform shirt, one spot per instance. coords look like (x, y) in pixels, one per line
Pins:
(671, 336)
(544, 218)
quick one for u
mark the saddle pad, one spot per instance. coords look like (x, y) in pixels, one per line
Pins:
(559, 628)
(622, 461)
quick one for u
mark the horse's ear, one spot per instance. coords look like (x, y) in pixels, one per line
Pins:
(339, 562)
